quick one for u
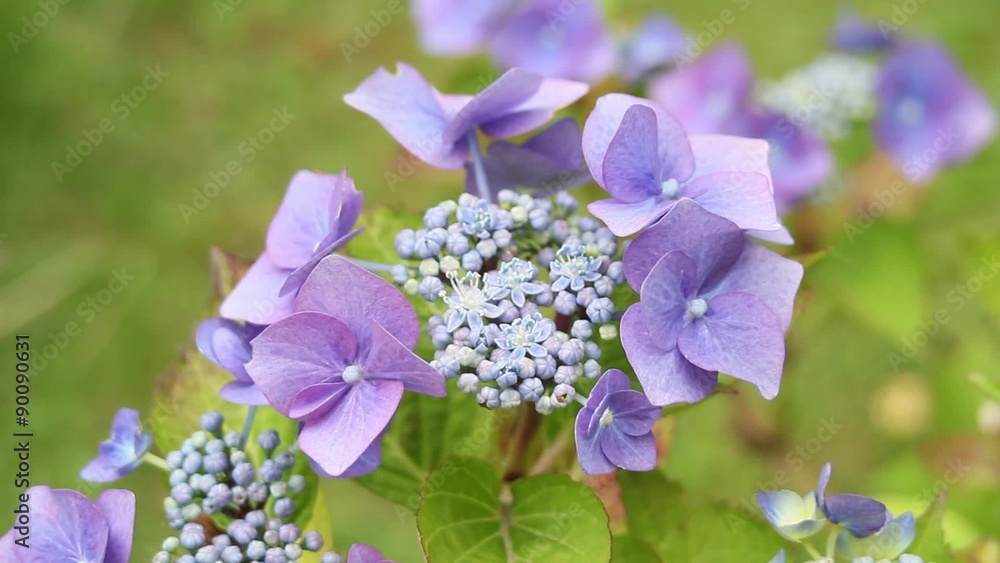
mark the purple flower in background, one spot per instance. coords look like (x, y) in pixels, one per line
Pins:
(340, 362)
(855, 34)
(930, 114)
(122, 453)
(436, 127)
(362, 553)
(656, 44)
(615, 427)
(710, 301)
(861, 515)
(643, 157)
(66, 527)
(549, 161)
(316, 217)
(711, 96)
(455, 28)
(707, 94)
(556, 38)
(226, 343)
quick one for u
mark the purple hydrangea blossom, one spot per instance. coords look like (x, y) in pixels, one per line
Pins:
(340, 363)
(456, 28)
(712, 96)
(855, 34)
(710, 301)
(122, 453)
(658, 43)
(315, 218)
(930, 113)
(615, 427)
(436, 127)
(556, 38)
(549, 161)
(861, 515)
(66, 527)
(362, 553)
(226, 343)
(644, 158)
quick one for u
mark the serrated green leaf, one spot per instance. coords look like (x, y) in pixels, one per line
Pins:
(627, 549)
(659, 514)
(929, 542)
(467, 514)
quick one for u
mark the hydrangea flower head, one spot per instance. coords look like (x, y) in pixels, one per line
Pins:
(888, 543)
(710, 301)
(525, 336)
(67, 527)
(930, 113)
(515, 279)
(470, 301)
(657, 43)
(557, 39)
(362, 553)
(643, 157)
(455, 28)
(226, 343)
(615, 427)
(550, 161)
(435, 127)
(572, 268)
(341, 362)
(316, 217)
(122, 453)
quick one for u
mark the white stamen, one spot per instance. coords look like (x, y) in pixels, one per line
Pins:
(669, 188)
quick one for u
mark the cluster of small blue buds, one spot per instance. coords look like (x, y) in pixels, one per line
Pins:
(211, 474)
(527, 283)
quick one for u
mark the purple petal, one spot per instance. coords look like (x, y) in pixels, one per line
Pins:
(824, 480)
(338, 439)
(118, 508)
(552, 94)
(102, 470)
(861, 515)
(627, 219)
(771, 277)
(781, 236)
(298, 277)
(65, 527)
(226, 343)
(126, 424)
(450, 28)
(513, 88)
(634, 453)
(658, 42)
(361, 553)
(315, 400)
(367, 463)
(389, 359)
(673, 149)
(634, 415)
(631, 164)
(855, 34)
(256, 296)
(665, 295)
(613, 380)
(411, 111)
(666, 376)
(310, 211)
(342, 289)
(705, 94)
(713, 243)
(588, 446)
(302, 350)
(241, 393)
(739, 336)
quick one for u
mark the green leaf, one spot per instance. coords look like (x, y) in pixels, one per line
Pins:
(677, 530)
(467, 514)
(929, 542)
(318, 519)
(627, 549)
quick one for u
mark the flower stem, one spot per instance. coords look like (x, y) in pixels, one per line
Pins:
(377, 267)
(527, 424)
(156, 461)
(477, 165)
(831, 543)
(248, 424)
(985, 385)
(581, 399)
(812, 550)
(551, 454)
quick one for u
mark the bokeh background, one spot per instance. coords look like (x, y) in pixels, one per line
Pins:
(897, 433)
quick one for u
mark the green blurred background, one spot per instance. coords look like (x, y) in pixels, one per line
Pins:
(898, 432)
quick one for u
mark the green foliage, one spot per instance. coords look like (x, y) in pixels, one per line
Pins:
(468, 513)
(659, 514)
(627, 549)
(930, 543)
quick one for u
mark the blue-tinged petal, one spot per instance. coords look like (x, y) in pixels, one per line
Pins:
(665, 294)
(779, 557)
(257, 296)
(454, 28)
(117, 506)
(627, 219)
(861, 515)
(633, 453)
(855, 34)
(631, 165)
(888, 543)
(793, 516)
